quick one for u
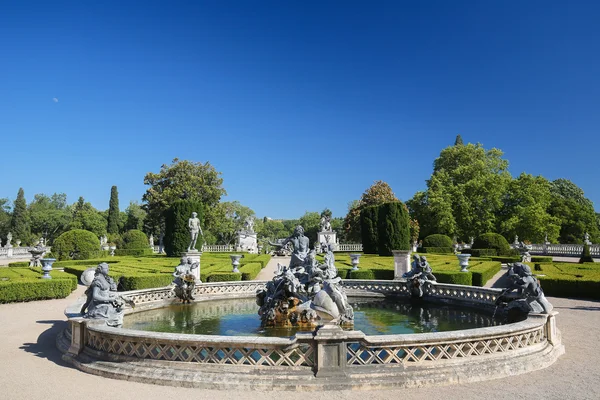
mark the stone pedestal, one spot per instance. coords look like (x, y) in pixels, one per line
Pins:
(331, 351)
(401, 263)
(327, 237)
(247, 241)
(195, 256)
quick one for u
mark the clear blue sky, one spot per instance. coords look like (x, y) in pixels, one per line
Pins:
(300, 104)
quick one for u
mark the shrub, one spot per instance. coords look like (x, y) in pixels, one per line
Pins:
(492, 241)
(144, 281)
(480, 252)
(19, 264)
(224, 277)
(454, 277)
(368, 229)
(34, 289)
(250, 270)
(483, 272)
(134, 252)
(76, 244)
(437, 240)
(134, 239)
(361, 274)
(439, 250)
(505, 260)
(393, 231)
(540, 259)
(177, 235)
(586, 256)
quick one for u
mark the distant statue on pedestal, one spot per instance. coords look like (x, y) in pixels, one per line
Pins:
(195, 230)
(300, 243)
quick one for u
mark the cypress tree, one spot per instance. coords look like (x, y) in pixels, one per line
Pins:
(19, 225)
(368, 229)
(113, 211)
(177, 234)
(393, 225)
(458, 141)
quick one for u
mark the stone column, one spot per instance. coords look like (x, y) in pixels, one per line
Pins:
(195, 256)
(331, 351)
(77, 337)
(401, 262)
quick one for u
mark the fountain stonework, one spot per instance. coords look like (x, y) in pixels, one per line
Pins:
(328, 357)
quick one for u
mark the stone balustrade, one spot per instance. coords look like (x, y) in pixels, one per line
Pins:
(566, 250)
(218, 248)
(17, 252)
(348, 247)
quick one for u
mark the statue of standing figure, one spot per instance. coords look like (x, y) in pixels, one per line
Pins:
(8, 240)
(586, 239)
(195, 230)
(151, 241)
(325, 223)
(249, 224)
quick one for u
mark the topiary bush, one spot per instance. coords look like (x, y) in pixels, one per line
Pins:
(585, 255)
(76, 244)
(437, 240)
(177, 234)
(368, 229)
(393, 228)
(134, 239)
(493, 241)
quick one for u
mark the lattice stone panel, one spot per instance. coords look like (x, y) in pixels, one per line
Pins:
(361, 354)
(301, 356)
(396, 287)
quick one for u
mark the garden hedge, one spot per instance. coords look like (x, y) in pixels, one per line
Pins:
(437, 240)
(75, 244)
(25, 284)
(134, 239)
(492, 241)
(393, 228)
(177, 235)
(454, 277)
(250, 271)
(438, 250)
(224, 277)
(368, 229)
(147, 251)
(361, 274)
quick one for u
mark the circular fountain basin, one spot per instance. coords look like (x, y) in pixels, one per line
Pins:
(326, 359)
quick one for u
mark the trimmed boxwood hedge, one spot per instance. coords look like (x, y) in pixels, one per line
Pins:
(134, 252)
(541, 259)
(437, 240)
(454, 277)
(144, 281)
(438, 250)
(25, 284)
(480, 277)
(134, 239)
(250, 271)
(224, 277)
(361, 274)
(492, 241)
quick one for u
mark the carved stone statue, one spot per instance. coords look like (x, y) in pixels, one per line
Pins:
(8, 240)
(516, 242)
(103, 302)
(524, 294)
(300, 243)
(161, 243)
(185, 281)
(305, 293)
(419, 275)
(586, 239)
(249, 224)
(37, 252)
(151, 241)
(195, 230)
(325, 223)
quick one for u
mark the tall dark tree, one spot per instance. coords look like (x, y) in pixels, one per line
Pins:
(19, 225)
(113, 211)
(458, 141)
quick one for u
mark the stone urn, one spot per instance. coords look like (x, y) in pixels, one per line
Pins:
(112, 250)
(235, 261)
(355, 259)
(47, 267)
(18, 242)
(463, 261)
(37, 253)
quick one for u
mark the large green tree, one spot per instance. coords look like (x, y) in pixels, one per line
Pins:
(113, 212)
(574, 211)
(86, 217)
(464, 193)
(50, 216)
(229, 218)
(183, 179)
(136, 216)
(19, 225)
(525, 210)
(5, 217)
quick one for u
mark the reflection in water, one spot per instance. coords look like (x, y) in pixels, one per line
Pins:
(238, 317)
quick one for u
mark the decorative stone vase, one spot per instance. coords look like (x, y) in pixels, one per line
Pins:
(18, 242)
(463, 261)
(355, 259)
(112, 250)
(47, 267)
(235, 261)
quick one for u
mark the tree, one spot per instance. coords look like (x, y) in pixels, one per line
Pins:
(393, 224)
(525, 210)
(49, 216)
(5, 217)
(368, 229)
(464, 193)
(113, 211)
(574, 211)
(135, 217)
(229, 219)
(378, 193)
(86, 217)
(187, 180)
(177, 234)
(311, 222)
(458, 141)
(19, 225)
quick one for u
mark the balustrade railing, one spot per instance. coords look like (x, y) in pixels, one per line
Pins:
(218, 248)
(567, 250)
(17, 252)
(349, 247)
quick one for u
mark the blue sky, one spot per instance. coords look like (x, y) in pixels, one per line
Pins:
(300, 104)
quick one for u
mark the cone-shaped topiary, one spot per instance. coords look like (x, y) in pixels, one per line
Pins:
(586, 256)
(368, 229)
(113, 212)
(393, 231)
(177, 234)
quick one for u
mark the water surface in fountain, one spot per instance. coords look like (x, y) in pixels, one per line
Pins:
(238, 317)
